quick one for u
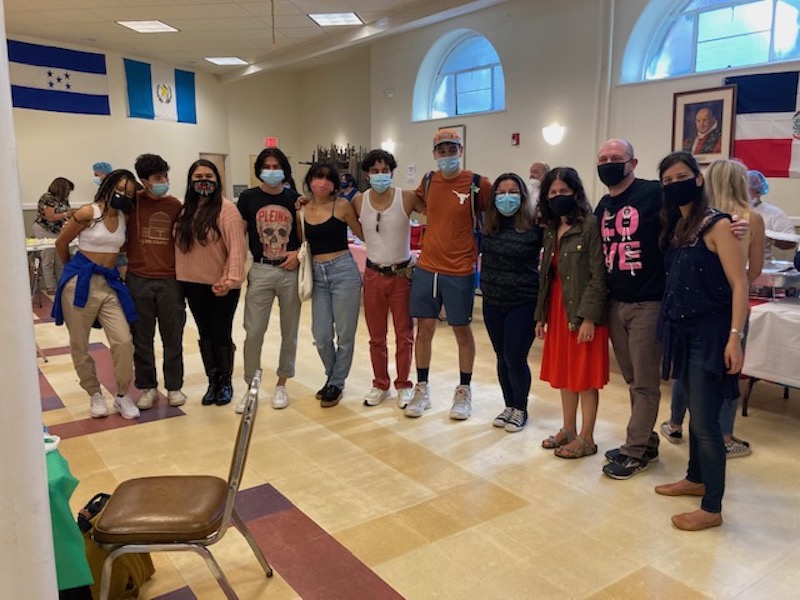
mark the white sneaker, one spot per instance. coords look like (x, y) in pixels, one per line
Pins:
(404, 396)
(98, 407)
(176, 398)
(281, 398)
(420, 402)
(147, 399)
(375, 396)
(462, 403)
(126, 407)
(239, 408)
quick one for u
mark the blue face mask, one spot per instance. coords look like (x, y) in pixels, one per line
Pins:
(97, 181)
(160, 189)
(448, 164)
(380, 182)
(272, 177)
(507, 204)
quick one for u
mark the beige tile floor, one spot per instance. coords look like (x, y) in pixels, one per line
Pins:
(446, 509)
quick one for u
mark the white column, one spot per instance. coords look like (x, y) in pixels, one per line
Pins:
(27, 538)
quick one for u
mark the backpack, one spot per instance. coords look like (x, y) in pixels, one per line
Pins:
(130, 571)
(477, 215)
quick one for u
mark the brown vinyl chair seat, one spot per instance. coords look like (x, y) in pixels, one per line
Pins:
(154, 510)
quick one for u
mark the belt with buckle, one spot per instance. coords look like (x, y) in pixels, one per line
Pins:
(269, 261)
(387, 269)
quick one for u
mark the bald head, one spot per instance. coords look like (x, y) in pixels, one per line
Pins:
(539, 170)
(705, 121)
(615, 150)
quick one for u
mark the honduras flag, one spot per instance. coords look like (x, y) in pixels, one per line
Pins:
(768, 122)
(160, 92)
(57, 79)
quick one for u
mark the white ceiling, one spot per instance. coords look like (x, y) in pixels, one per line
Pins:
(223, 27)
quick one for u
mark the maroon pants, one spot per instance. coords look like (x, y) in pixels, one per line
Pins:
(384, 293)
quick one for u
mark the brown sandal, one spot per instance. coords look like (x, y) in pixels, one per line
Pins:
(562, 438)
(584, 449)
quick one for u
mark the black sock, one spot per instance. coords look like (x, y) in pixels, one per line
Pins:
(422, 375)
(466, 378)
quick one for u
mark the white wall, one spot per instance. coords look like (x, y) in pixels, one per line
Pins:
(52, 144)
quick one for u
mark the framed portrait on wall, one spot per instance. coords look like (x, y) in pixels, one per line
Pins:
(703, 122)
(462, 131)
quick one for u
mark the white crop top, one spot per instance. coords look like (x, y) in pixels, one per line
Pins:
(97, 238)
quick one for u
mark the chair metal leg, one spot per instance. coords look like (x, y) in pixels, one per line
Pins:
(746, 399)
(213, 565)
(105, 577)
(245, 531)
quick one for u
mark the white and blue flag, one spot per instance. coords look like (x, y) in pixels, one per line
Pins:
(57, 79)
(160, 92)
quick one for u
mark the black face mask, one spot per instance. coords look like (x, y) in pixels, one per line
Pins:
(612, 173)
(120, 202)
(204, 187)
(562, 205)
(681, 193)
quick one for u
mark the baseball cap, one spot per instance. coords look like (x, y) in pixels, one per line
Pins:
(447, 136)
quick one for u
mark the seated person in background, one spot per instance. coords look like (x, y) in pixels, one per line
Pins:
(774, 218)
(53, 212)
(349, 188)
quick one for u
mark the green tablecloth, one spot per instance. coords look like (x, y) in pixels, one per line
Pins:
(72, 568)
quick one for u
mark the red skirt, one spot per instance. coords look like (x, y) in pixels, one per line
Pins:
(566, 364)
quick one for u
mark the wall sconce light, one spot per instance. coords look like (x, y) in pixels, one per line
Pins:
(388, 145)
(553, 133)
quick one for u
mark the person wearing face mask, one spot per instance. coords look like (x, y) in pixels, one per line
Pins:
(512, 239)
(571, 310)
(701, 326)
(335, 301)
(537, 172)
(210, 253)
(445, 274)
(384, 212)
(348, 187)
(92, 293)
(151, 280)
(272, 231)
(100, 171)
(775, 220)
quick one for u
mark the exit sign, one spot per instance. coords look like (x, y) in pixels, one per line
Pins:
(270, 142)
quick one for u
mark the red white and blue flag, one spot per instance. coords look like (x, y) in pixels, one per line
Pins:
(768, 122)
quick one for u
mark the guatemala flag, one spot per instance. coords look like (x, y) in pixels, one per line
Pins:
(160, 92)
(57, 79)
(768, 123)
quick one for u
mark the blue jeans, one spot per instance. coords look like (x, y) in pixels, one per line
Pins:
(512, 331)
(335, 304)
(706, 449)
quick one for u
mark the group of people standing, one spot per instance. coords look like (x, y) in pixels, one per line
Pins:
(629, 271)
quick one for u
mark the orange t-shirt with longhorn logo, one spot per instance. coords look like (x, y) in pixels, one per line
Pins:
(449, 246)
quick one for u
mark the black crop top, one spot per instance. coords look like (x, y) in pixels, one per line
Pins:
(328, 236)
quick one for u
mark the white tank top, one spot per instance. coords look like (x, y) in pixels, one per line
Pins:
(97, 238)
(387, 233)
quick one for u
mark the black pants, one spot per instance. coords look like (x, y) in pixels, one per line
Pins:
(157, 300)
(212, 314)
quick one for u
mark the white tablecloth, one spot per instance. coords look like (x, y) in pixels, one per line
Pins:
(773, 342)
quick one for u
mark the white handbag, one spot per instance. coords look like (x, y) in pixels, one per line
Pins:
(305, 271)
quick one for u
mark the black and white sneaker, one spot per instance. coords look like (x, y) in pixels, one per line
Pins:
(625, 467)
(651, 454)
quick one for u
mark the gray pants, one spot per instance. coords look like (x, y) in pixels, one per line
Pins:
(162, 301)
(264, 284)
(51, 266)
(632, 328)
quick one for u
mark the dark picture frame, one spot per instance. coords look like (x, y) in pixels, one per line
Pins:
(703, 122)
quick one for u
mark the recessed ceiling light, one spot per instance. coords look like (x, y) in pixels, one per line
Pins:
(148, 26)
(226, 60)
(336, 19)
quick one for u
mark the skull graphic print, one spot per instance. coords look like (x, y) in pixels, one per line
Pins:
(274, 225)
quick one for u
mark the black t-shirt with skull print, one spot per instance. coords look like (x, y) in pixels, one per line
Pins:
(270, 222)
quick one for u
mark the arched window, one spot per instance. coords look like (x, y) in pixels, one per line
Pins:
(696, 36)
(461, 75)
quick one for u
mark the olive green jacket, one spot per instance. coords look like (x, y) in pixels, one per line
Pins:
(582, 272)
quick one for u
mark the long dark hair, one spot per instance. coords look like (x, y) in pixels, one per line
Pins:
(199, 222)
(580, 209)
(672, 225)
(525, 217)
(107, 187)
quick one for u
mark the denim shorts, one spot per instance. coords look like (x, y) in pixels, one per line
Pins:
(431, 291)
